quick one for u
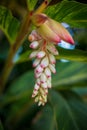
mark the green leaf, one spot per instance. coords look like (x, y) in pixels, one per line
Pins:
(71, 12)
(70, 111)
(69, 75)
(72, 55)
(45, 120)
(8, 24)
(31, 4)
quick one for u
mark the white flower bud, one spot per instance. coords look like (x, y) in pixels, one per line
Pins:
(36, 62)
(36, 87)
(44, 62)
(34, 44)
(35, 92)
(46, 91)
(52, 68)
(37, 75)
(33, 54)
(38, 81)
(39, 69)
(31, 38)
(34, 36)
(36, 99)
(41, 54)
(52, 59)
(44, 85)
(49, 79)
(52, 49)
(49, 84)
(39, 104)
(47, 72)
(43, 78)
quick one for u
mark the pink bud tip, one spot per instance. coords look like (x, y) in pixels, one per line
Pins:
(54, 62)
(31, 46)
(35, 89)
(33, 95)
(54, 72)
(71, 41)
(42, 65)
(48, 76)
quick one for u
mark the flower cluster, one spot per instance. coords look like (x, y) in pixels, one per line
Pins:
(43, 40)
(44, 63)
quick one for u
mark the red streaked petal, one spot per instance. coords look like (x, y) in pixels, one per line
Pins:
(60, 31)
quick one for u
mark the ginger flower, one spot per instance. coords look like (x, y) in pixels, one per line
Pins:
(48, 33)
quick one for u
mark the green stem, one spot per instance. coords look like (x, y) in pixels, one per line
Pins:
(19, 40)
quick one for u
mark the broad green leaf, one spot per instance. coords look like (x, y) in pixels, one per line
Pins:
(71, 12)
(70, 111)
(8, 24)
(70, 74)
(20, 111)
(83, 92)
(72, 55)
(45, 120)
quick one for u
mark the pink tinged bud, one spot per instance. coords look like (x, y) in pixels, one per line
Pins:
(60, 31)
(36, 87)
(34, 44)
(35, 92)
(31, 38)
(49, 79)
(39, 19)
(41, 54)
(38, 81)
(43, 78)
(37, 75)
(44, 85)
(36, 62)
(52, 59)
(44, 62)
(52, 68)
(33, 54)
(46, 91)
(52, 49)
(47, 72)
(49, 84)
(47, 33)
(34, 36)
(39, 69)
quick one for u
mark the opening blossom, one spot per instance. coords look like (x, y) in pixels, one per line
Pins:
(48, 33)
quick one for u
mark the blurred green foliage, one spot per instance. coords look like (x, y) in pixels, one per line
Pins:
(67, 100)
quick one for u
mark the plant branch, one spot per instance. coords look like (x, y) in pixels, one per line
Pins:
(19, 40)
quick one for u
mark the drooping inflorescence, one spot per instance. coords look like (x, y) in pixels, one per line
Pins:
(44, 64)
(48, 33)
